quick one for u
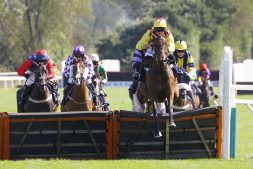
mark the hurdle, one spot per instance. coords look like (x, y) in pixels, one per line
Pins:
(227, 91)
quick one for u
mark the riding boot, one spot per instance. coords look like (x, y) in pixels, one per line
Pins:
(26, 91)
(66, 93)
(134, 85)
(55, 92)
(105, 103)
(190, 94)
(93, 92)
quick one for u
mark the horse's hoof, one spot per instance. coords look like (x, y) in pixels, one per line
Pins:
(157, 134)
(172, 124)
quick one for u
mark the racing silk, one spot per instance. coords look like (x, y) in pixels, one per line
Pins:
(187, 61)
(24, 68)
(102, 73)
(146, 38)
(205, 74)
(89, 65)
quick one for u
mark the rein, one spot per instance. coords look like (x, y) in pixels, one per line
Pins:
(79, 102)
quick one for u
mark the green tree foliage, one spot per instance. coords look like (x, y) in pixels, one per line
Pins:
(202, 23)
(113, 27)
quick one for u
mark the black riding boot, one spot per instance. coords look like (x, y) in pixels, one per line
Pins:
(190, 94)
(55, 92)
(26, 91)
(105, 103)
(93, 92)
(134, 85)
(66, 93)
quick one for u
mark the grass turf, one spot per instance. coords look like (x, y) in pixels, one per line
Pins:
(118, 99)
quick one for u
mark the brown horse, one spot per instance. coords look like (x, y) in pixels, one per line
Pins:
(80, 98)
(40, 98)
(160, 84)
(207, 95)
(182, 103)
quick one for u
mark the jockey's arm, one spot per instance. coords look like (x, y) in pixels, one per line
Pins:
(91, 71)
(51, 70)
(190, 64)
(24, 67)
(144, 41)
(68, 62)
(171, 43)
(104, 74)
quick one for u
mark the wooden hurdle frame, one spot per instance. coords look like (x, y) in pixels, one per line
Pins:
(24, 124)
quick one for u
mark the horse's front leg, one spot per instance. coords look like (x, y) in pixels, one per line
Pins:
(169, 109)
(157, 132)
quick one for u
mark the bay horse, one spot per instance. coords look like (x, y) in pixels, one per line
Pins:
(207, 96)
(80, 98)
(159, 86)
(40, 98)
(182, 103)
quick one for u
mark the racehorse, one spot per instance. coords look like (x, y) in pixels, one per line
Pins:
(205, 93)
(207, 96)
(159, 85)
(80, 98)
(99, 92)
(182, 103)
(40, 98)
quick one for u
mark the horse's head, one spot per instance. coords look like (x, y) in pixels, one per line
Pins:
(79, 72)
(160, 46)
(41, 75)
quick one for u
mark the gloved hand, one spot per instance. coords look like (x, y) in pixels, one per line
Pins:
(34, 66)
(27, 75)
(172, 59)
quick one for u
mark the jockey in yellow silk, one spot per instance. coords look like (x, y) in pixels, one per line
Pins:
(185, 70)
(159, 28)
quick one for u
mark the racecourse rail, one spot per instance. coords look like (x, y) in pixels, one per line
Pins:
(110, 135)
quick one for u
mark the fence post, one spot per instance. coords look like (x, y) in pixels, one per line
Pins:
(226, 71)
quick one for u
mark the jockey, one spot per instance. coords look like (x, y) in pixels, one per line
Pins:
(160, 28)
(78, 55)
(203, 74)
(185, 63)
(26, 70)
(101, 72)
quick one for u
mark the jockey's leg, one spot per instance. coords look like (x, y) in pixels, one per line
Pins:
(190, 94)
(136, 63)
(55, 92)
(26, 91)
(66, 93)
(105, 103)
(93, 92)
(133, 87)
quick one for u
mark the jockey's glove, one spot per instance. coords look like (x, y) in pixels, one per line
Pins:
(27, 75)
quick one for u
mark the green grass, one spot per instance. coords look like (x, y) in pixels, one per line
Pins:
(118, 99)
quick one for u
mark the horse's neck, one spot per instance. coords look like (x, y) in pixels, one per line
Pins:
(80, 93)
(40, 94)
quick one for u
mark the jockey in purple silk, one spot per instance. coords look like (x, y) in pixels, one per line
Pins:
(203, 74)
(160, 28)
(77, 55)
